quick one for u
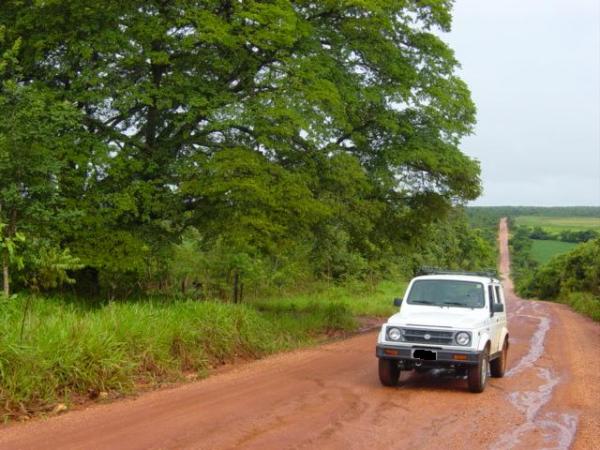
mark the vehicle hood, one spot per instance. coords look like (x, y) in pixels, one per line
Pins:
(439, 317)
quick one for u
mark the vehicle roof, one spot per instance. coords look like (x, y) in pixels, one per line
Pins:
(458, 277)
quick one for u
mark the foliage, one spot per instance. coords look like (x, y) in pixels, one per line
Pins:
(539, 233)
(573, 236)
(566, 229)
(47, 266)
(574, 214)
(522, 265)
(584, 303)
(10, 246)
(578, 236)
(486, 219)
(453, 244)
(298, 139)
(359, 298)
(38, 146)
(573, 278)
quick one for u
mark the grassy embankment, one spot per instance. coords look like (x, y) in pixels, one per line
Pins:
(64, 351)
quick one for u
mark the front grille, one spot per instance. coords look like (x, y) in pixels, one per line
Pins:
(435, 336)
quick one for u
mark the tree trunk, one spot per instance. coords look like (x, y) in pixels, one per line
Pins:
(236, 287)
(5, 274)
(184, 285)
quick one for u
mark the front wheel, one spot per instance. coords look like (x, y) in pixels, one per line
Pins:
(478, 375)
(498, 365)
(389, 372)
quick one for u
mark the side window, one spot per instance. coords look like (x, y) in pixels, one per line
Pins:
(499, 298)
(491, 296)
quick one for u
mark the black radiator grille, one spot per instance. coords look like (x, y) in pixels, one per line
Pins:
(428, 336)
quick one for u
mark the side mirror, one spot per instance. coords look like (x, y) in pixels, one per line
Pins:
(397, 301)
(498, 308)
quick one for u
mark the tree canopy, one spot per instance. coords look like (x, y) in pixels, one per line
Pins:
(328, 130)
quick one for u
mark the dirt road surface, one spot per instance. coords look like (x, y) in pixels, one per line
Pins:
(330, 398)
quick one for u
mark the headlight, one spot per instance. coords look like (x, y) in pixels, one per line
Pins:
(462, 338)
(394, 334)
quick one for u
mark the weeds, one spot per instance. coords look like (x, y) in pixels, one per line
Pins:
(54, 350)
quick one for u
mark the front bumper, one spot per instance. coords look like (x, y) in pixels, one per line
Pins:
(444, 357)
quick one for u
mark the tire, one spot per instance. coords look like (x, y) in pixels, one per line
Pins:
(389, 372)
(498, 365)
(478, 375)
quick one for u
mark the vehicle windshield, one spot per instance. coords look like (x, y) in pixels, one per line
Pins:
(464, 294)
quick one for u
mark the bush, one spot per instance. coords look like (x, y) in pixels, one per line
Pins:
(540, 233)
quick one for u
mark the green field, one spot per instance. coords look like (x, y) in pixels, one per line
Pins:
(543, 251)
(558, 224)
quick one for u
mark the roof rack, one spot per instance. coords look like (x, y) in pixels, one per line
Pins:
(491, 273)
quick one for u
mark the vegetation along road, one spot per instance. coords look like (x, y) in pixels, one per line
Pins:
(330, 397)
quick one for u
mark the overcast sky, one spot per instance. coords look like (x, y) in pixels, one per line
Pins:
(533, 67)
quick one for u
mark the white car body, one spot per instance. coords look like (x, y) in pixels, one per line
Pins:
(432, 330)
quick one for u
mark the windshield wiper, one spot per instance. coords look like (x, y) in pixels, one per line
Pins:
(423, 302)
(455, 304)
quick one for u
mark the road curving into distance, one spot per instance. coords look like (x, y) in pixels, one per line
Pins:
(329, 397)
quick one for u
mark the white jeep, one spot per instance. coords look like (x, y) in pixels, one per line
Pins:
(447, 319)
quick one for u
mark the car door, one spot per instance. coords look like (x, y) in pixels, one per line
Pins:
(500, 317)
(495, 320)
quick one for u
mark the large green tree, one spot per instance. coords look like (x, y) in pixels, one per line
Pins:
(214, 110)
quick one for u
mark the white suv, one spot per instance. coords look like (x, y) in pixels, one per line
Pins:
(447, 319)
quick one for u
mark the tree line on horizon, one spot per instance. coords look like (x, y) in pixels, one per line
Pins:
(216, 145)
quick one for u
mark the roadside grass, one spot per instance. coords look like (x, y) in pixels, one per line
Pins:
(584, 303)
(543, 251)
(360, 299)
(63, 351)
(558, 224)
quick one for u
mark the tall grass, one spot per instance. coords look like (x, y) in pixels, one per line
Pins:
(68, 350)
(361, 299)
(584, 303)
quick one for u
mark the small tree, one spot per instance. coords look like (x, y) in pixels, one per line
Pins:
(47, 266)
(38, 139)
(9, 254)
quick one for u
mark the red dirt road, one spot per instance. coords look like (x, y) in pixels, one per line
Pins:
(330, 398)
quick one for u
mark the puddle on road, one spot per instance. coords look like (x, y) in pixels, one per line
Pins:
(536, 346)
(530, 402)
(564, 427)
(555, 428)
